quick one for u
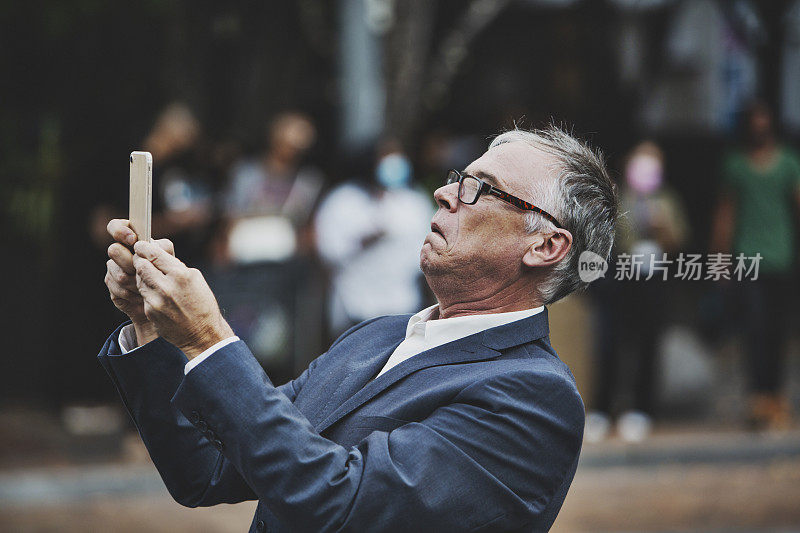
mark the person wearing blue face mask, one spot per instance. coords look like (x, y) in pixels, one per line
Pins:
(394, 171)
(366, 235)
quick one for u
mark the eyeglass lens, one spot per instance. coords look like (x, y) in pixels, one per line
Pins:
(468, 192)
(469, 186)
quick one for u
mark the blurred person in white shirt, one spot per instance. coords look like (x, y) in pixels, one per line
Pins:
(368, 234)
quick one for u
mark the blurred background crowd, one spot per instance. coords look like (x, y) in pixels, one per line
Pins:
(296, 147)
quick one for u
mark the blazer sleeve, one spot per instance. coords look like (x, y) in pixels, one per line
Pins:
(492, 459)
(193, 471)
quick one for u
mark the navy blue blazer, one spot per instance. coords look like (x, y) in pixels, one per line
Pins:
(480, 434)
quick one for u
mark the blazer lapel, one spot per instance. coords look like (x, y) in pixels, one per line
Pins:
(357, 371)
(478, 347)
(519, 332)
(459, 351)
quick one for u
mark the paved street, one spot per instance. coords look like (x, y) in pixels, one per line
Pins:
(681, 480)
(698, 497)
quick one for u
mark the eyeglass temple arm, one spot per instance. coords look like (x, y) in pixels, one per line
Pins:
(522, 204)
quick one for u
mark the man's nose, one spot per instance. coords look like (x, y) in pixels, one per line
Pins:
(447, 196)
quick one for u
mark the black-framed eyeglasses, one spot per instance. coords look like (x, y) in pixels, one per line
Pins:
(471, 188)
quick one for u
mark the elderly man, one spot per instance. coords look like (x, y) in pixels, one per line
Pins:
(459, 418)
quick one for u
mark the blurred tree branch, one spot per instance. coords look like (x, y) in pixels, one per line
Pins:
(417, 77)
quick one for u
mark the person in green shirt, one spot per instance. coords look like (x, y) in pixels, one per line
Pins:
(755, 215)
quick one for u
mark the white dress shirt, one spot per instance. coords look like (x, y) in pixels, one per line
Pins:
(127, 343)
(422, 334)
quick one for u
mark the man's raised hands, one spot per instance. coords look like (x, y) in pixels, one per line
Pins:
(177, 300)
(121, 277)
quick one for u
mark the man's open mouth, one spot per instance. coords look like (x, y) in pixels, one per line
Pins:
(436, 229)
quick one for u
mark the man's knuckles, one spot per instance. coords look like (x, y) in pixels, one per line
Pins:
(153, 302)
(144, 268)
(121, 294)
(141, 282)
(124, 299)
(155, 309)
(183, 276)
(113, 284)
(166, 245)
(147, 250)
(120, 276)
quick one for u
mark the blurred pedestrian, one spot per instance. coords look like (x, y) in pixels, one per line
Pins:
(182, 184)
(630, 313)
(269, 200)
(760, 190)
(183, 203)
(369, 233)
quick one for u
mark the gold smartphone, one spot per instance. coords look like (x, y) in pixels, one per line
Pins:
(141, 194)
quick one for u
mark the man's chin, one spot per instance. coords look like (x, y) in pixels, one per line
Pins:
(428, 258)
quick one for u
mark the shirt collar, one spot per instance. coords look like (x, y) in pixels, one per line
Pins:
(447, 329)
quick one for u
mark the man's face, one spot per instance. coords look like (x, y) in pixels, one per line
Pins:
(484, 243)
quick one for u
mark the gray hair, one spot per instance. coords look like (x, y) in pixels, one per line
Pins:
(582, 197)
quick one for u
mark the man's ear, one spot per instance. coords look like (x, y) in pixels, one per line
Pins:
(547, 248)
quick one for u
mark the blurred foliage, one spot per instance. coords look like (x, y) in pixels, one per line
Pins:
(30, 198)
(83, 80)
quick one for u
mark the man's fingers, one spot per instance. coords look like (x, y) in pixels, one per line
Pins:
(122, 257)
(120, 231)
(160, 258)
(124, 279)
(166, 245)
(118, 292)
(149, 279)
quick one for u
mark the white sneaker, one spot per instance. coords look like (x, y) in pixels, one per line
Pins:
(634, 426)
(597, 426)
